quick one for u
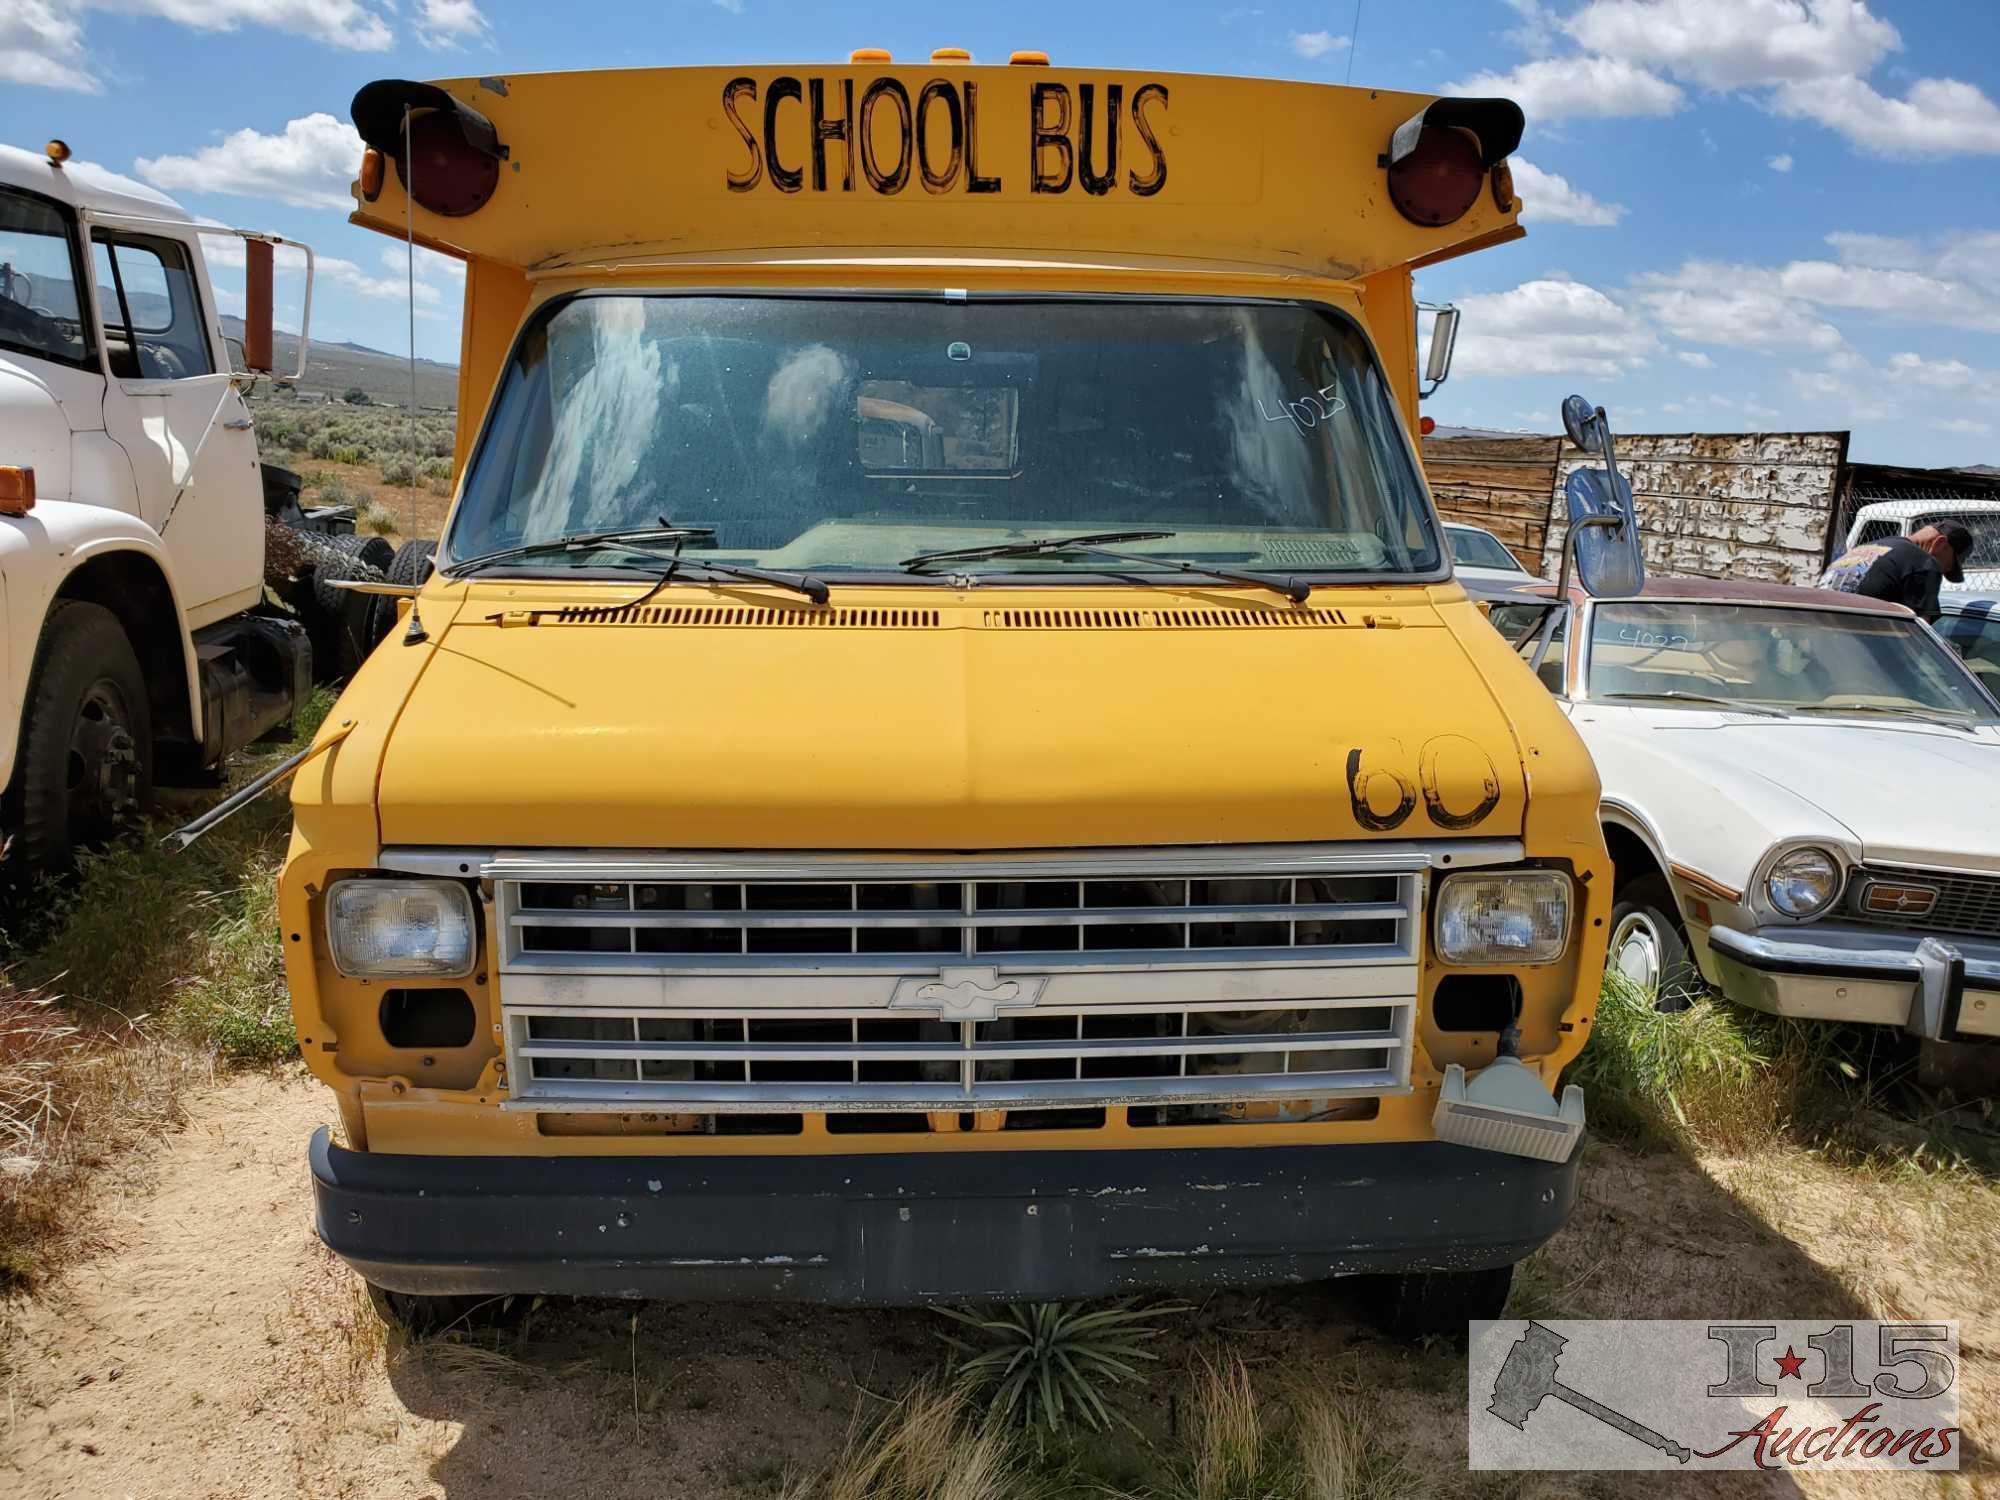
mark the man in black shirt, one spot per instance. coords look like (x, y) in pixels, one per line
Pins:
(1905, 569)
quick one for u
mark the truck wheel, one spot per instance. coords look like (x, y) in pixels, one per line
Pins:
(421, 1316)
(1649, 946)
(1965, 1070)
(412, 562)
(376, 551)
(86, 771)
(337, 620)
(410, 565)
(1411, 1304)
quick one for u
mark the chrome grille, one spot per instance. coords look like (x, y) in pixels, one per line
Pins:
(674, 924)
(999, 985)
(1096, 1055)
(1965, 903)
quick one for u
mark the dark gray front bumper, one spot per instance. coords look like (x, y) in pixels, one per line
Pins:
(1864, 974)
(936, 1226)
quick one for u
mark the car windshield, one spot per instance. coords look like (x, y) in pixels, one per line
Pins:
(1802, 660)
(1479, 549)
(845, 434)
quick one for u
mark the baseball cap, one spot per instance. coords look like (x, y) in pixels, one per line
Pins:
(1959, 539)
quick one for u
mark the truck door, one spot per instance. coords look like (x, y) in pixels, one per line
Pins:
(181, 420)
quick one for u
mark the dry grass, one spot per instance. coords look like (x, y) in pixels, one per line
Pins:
(77, 1088)
(124, 987)
(930, 1446)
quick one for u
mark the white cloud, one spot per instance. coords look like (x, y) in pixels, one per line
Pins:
(346, 24)
(430, 265)
(1313, 45)
(308, 164)
(734, 7)
(1937, 374)
(1782, 162)
(1551, 88)
(1741, 307)
(1877, 250)
(1970, 426)
(445, 24)
(1938, 117)
(1550, 327)
(1546, 197)
(1694, 357)
(393, 288)
(42, 45)
(1781, 307)
(1732, 44)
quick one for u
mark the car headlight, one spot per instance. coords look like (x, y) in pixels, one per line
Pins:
(1515, 917)
(379, 929)
(1802, 883)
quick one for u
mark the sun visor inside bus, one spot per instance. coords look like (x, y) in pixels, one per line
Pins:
(1496, 124)
(378, 114)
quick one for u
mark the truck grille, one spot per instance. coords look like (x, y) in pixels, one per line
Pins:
(1965, 903)
(1041, 986)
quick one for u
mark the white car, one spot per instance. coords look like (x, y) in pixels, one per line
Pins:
(1479, 557)
(1800, 788)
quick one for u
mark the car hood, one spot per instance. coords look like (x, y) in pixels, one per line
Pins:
(1721, 787)
(953, 721)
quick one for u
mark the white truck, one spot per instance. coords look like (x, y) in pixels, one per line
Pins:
(137, 642)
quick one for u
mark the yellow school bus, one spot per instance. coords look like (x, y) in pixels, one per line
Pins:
(942, 757)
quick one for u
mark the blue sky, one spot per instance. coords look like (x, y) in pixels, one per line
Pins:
(1743, 213)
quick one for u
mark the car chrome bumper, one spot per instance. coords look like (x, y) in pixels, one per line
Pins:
(933, 1226)
(1944, 988)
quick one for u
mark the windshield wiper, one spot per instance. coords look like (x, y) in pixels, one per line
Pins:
(1921, 715)
(646, 541)
(582, 541)
(1089, 545)
(1734, 705)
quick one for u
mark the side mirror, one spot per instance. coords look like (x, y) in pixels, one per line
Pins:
(1444, 338)
(1583, 423)
(257, 339)
(1603, 540)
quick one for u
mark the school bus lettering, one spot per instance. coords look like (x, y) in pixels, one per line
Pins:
(891, 180)
(1075, 137)
(1150, 184)
(935, 92)
(824, 130)
(1046, 134)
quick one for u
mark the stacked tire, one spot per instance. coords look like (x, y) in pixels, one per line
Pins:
(345, 625)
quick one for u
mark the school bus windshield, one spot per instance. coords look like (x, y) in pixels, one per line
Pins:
(848, 433)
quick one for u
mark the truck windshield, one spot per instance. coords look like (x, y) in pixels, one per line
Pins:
(843, 434)
(1798, 660)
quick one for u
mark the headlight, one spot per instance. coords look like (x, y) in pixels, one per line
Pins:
(1803, 883)
(397, 928)
(1520, 917)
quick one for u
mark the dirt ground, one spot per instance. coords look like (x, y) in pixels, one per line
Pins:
(206, 1346)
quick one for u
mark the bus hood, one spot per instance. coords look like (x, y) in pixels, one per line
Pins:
(742, 723)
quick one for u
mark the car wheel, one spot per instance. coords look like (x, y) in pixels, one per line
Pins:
(86, 771)
(1412, 1304)
(1649, 947)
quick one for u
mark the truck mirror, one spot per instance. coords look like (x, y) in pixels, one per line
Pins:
(1603, 540)
(1444, 337)
(257, 341)
(1580, 422)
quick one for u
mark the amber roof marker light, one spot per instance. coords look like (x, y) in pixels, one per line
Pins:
(57, 152)
(1439, 158)
(457, 149)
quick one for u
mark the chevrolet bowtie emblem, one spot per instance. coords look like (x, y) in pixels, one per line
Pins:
(967, 993)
